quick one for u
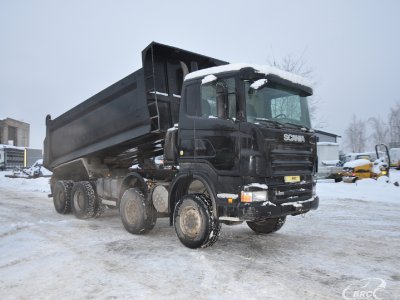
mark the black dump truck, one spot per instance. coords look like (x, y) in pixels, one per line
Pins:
(192, 138)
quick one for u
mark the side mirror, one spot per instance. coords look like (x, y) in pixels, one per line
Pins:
(222, 100)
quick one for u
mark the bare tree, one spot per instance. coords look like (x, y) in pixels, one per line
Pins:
(356, 135)
(380, 131)
(394, 123)
(298, 65)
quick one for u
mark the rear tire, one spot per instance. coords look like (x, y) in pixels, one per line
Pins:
(83, 200)
(194, 221)
(138, 216)
(62, 196)
(99, 207)
(268, 225)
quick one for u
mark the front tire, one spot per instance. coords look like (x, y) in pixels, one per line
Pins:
(268, 225)
(62, 196)
(83, 200)
(194, 221)
(138, 216)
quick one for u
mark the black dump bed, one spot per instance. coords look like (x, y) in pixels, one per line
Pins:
(127, 120)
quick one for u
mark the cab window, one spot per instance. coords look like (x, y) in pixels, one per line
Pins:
(213, 102)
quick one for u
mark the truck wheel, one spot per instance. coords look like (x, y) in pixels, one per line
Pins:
(62, 196)
(99, 208)
(137, 215)
(83, 200)
(194, 221)
(268, 225)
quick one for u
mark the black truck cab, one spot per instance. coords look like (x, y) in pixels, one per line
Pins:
(249, 134)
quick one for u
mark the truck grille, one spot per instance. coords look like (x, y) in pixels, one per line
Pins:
(291, 193)
(291, 159)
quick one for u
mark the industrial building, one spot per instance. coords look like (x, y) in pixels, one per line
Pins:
(14, 133)
(323, 136)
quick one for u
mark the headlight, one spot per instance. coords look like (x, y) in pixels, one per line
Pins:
(257, 196)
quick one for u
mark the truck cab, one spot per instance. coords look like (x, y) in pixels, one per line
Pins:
(247, 130)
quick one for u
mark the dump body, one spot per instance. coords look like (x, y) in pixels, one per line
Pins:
(132, 114)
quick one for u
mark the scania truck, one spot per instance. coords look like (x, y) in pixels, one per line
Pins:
(235, 142)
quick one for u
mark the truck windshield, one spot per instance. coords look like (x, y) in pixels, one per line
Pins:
(276, 104)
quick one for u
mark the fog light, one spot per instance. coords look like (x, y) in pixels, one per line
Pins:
(384, 172)
(246, 197)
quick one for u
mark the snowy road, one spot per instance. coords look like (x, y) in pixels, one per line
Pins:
(355, 234)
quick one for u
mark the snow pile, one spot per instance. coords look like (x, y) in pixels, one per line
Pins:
(383, 179)
(40, 184)
(332, 162)
(368, 189)
(379, 165)
(356, 163)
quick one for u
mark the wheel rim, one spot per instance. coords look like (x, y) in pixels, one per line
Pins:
(131, 212)
(190, 221)
(59, 198)
(79, 200)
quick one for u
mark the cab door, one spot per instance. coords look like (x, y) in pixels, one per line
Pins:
(209, 130)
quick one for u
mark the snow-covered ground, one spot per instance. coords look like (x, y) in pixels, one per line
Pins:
(354, 235)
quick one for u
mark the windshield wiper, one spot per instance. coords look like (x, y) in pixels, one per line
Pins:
(297, 125)
(280, 124)
(269, 121)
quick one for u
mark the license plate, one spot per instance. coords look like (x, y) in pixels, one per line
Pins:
(290, 179)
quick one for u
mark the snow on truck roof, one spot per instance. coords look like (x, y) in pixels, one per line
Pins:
(259, 68)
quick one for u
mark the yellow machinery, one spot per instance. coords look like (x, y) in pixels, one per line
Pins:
(363, 168)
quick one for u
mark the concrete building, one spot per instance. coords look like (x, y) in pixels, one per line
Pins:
(323, 136)
(394, 145)
(14, 132)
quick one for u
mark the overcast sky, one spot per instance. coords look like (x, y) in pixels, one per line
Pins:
(55, 54)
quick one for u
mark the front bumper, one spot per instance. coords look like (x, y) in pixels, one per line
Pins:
(263, 210)
(349, 179)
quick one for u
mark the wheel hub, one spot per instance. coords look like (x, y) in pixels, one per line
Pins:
(79, 200)
(190, 222)
(131, 212)
(60, 198)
